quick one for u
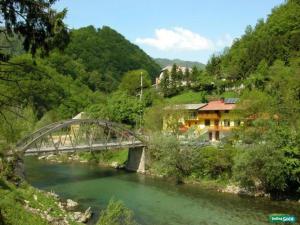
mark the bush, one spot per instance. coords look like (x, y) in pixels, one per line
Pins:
(213, 162)
(167, 158)
(260, 167)
(116, 214)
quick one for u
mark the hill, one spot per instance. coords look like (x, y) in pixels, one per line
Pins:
(165, 62)
(109, 53)
(276, 38)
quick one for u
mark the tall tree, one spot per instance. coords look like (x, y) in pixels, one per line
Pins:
(36, 22)
(131, 81)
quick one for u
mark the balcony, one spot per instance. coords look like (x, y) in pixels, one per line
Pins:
(208, 116)
(219, 128)
(193, 118)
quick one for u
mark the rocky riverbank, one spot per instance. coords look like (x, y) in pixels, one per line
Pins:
(231, 188)
(34, 206)
(60, 158)
(67, 214)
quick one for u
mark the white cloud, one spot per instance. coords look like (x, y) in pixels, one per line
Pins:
(177, 38)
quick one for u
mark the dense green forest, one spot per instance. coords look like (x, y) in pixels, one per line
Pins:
(106, 52)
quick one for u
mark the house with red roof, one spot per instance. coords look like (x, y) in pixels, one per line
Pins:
(213, 119)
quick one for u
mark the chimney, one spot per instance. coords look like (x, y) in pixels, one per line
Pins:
(222, 99)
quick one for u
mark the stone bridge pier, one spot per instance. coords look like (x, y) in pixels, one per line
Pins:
(136, 159)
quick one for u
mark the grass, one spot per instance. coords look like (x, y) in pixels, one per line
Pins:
(12, 205)
(198, 97)
(187, 97)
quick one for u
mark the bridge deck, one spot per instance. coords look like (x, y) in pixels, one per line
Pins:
(78, 148)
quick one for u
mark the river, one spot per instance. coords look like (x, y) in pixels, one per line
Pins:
(154, 201)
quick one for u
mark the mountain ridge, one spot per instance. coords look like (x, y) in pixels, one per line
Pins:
(163, 62)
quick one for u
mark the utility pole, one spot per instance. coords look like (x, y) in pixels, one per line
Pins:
(141, 95)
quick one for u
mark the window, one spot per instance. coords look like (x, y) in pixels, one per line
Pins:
(226, 123)
(237, 123)
(207, 123)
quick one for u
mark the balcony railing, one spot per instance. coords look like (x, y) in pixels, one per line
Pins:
(208, 116)
(219, 128)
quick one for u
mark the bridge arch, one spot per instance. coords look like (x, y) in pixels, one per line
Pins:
(79, 135)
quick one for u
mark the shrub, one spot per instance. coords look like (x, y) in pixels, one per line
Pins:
(116, 214)
(260, 167)
(213, 162)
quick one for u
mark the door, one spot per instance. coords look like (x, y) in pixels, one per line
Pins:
(217, 135)
(216, 123)
(210, 136)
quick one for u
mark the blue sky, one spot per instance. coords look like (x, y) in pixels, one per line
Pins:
(185, 29)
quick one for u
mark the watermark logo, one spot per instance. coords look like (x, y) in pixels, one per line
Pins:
(279, 218)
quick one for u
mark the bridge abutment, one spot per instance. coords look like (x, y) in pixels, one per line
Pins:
(136, 159)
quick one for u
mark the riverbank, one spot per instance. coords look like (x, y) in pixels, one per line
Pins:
(115, 159)
(118, 159)
(36, 207)
(153, 200)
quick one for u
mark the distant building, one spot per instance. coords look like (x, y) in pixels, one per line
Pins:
(169, 68)
(211, 119)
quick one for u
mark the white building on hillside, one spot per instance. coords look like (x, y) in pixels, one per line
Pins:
(169, 68)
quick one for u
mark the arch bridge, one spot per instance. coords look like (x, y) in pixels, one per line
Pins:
(77, 135)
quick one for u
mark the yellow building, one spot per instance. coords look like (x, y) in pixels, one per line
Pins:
(212, 119)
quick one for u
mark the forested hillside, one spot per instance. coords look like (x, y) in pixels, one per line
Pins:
(103, 54)
(46, 88)
(277, 38)
(266, 60)
(109, 54)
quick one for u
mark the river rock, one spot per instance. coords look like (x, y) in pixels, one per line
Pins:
(87, 214)
(42, 157)
(76, 216)
(115, 165)
(71, 204)
(53, 194)
(51, 156)
(82, 217)
(232, 189)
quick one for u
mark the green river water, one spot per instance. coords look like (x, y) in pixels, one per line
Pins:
(154, 201)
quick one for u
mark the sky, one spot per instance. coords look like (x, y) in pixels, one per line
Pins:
(185, 29)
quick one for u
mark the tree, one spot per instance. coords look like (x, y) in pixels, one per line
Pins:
(213, 66)
(174, 80)
(167, 157)
(116, 214)
(36, 22)
(124, 108)
(131, 81)
(187, 76)
(180, 78)
(164, 85)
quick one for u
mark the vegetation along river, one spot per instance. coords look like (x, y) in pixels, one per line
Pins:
(154, 201)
